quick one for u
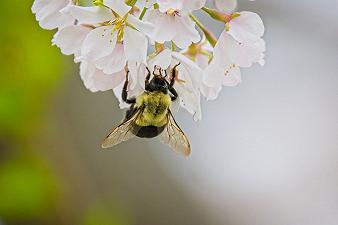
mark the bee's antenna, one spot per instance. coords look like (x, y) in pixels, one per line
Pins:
(155, 67)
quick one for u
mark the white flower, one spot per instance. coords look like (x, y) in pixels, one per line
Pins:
(48, 13)
(229, 56)
(99, 45)
(172, 22)
(108, 40)
(240, 45)
(245, 27)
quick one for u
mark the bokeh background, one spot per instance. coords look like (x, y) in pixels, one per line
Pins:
(266, 152)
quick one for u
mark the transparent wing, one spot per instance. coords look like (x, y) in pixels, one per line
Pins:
(121, 133)
(175, 106)
(174, 137)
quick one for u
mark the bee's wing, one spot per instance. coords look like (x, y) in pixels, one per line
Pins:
(175, 106)
(174, 137)
(121, 133)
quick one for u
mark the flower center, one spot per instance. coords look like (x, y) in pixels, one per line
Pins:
(172, 12)
(119, 24)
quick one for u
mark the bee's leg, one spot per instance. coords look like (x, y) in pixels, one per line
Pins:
(173, 76)
(174, 93)
(125, 92)
(146, 83)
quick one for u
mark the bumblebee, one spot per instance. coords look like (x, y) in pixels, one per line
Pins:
(149, 114)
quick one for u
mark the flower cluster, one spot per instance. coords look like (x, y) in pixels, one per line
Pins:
(109, 37)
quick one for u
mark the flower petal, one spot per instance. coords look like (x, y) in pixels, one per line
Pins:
(56, 20)
(228, 51)
(246, 28)
(95, 80)
(70, 39)
(113, 62)
(187, 32)
(99, 43)
(165, 5)
(135, 45)
(145, 3)
(142, 26)
(134, 87)
(216, 75)
(191, 5)
(163, 60)
(48, 14)
(90, 15)
(190, 100)
(189, 90)
(165, 26)
(118, 6)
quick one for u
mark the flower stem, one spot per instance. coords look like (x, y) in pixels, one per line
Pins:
(131, 2)
(210, 36)
(144, 10)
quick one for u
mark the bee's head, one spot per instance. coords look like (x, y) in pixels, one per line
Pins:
(158, 83)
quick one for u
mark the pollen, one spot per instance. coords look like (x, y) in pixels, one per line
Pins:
(227, 71)
(172, 12)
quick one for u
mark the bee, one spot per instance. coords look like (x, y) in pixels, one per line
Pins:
(149, 114)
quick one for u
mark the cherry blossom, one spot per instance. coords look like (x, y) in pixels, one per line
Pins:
(48, 13)
(172, 22)
(229, 56)
(100, 43)
(113, 38)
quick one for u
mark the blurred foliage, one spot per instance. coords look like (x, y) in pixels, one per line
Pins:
(27, 189)
(29, 69)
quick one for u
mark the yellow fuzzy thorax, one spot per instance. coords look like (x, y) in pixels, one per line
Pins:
(156, 105)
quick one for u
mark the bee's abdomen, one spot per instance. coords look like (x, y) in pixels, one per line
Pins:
(147, 131)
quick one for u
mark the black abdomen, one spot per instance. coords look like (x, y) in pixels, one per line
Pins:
(147, 132)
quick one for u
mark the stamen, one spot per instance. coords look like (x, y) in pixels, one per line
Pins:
(172, 12)
(227, 71)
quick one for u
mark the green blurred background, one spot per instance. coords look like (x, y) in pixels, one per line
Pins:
(31, 191)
